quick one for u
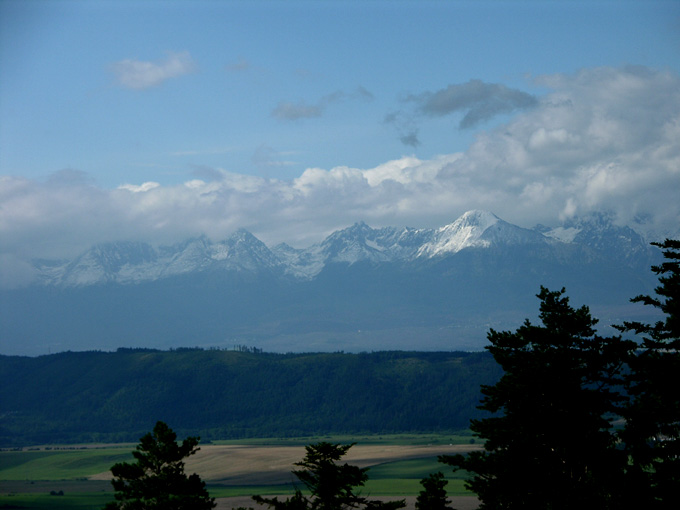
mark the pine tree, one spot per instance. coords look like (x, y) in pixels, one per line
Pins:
(433, 495)
(652, 431)
(549, 443)
(332, 486)
(156, 481)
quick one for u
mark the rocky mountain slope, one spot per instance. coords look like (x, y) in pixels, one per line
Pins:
(359, 289)
(128, 262)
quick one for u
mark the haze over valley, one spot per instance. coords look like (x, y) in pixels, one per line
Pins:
(360, 289)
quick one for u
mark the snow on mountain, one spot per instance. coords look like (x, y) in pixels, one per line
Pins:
(476, 229)
(191, 255)
(361, 288)
(358, 243)
(602, 237)
(350, 245)
(136, 262)
(300, 263)
(563, 234)
(102, 262)
(243, 251)
(465, 232)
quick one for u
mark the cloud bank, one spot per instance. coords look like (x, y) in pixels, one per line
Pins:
(602, 139)
(138, 74)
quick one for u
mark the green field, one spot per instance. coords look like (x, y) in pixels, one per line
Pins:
(84, 501)
(27, 477)
(59, 464)
(402, 478)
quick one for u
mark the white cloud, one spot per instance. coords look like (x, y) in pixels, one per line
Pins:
(139, 74)
(602, 139)
(141, 188)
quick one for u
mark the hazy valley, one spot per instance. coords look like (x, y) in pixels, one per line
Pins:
(361, 289)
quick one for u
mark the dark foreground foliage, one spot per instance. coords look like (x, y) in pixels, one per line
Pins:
(433, 496)
(550, 442)
(331, 485)
(116, 396)
(157, 481)
(652, 432)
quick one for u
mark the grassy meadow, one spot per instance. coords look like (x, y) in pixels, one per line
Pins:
(38, 477)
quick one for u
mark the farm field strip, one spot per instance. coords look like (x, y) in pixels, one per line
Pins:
(236, 465)
(229, 470)
(227, 464)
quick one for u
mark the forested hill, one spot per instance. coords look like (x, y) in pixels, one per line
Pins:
(118, 396)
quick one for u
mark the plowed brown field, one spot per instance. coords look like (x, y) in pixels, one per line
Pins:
(269, 465)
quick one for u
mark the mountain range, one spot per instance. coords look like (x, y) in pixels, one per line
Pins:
(359, 289)
(137, 262)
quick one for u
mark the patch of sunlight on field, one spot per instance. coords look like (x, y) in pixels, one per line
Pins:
(407, 487)
(402, 477)
(413, 468)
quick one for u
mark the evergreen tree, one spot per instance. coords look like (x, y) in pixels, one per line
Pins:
(331, 485)
(433, 495)
(549, 444)
(652, 431)
(156, 481)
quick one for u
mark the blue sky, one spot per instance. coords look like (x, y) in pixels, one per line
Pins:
(158, 120)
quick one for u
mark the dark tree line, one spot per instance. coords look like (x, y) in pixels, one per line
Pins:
(551, 442)
(118, 396)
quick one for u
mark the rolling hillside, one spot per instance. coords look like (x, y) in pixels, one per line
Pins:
(118, 396)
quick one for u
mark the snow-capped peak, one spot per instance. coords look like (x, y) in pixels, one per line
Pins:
(465, 232)
(478, 218)
(358, 242)
(242, 251)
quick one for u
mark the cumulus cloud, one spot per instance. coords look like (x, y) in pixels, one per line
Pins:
(602, 139)
(294, 110)
(139, 74)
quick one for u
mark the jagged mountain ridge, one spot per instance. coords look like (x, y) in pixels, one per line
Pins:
(135, 262)
(359, 289)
